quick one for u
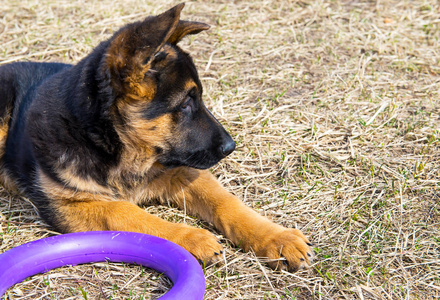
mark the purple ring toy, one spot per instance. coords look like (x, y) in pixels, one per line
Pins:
(86, 247)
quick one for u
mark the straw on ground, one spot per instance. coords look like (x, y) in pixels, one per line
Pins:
(335, 109)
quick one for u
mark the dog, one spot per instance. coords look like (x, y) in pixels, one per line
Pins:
(90, 143)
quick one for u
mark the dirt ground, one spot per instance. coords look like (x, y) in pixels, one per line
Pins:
(334, 106)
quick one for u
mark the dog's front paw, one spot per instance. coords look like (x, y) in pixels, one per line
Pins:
(205, 247)
(286, 249)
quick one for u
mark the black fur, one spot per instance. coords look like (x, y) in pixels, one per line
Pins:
(57, 110)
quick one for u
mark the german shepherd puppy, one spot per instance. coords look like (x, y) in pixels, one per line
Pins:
(126, 126)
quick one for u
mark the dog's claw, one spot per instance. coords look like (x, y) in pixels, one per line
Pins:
(288, 244)
(200, 243)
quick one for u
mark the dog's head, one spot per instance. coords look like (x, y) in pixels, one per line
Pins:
(158, 108)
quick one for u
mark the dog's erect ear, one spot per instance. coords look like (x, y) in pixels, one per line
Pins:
(184, 28)
(132, 49)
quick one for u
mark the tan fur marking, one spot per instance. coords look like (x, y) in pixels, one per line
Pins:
(81, 184)
(141, 86)
(6, 180)
(171, 52)
(143, 129)
(139, 140)
(8, 183)
(199, 193)
(80, 211)
(189, 85)
(125, 216)
(57, 191)
(135, 82)
(4, 128)
(170, 57)
(139, 192)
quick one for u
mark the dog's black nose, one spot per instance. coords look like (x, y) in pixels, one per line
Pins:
(227, 147)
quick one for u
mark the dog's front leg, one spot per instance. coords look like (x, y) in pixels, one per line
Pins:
(200, 193)
(74, 211)
(125, 216)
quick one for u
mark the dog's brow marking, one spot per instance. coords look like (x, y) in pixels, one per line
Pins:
(189, 85)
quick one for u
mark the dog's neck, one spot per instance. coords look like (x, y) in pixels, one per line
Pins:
(134, 170)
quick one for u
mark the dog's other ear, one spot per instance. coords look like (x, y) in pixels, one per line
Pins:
(132, 49)
(186, 27)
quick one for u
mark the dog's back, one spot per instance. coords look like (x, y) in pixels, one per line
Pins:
(18, 80)
(18, 83)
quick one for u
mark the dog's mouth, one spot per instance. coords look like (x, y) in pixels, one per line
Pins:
(199, 159)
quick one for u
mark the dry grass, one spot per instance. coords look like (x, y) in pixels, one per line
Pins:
(335, 108)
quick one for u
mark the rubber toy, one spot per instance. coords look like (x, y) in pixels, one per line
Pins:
(97, 246)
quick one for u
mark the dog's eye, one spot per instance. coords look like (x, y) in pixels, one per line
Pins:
(186, 106)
